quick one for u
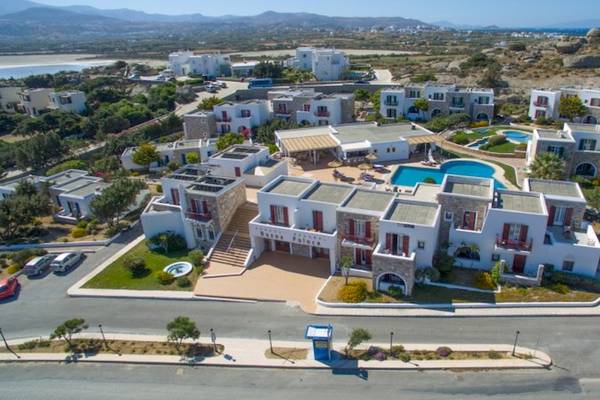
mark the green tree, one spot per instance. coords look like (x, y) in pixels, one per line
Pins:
(208, 103)
(145, 154)
(192, 158)
(109, 205)
(38, 151)
(571, 107)
(265, 133)
(20, 209)
(593, 198)
(422, 105)
(67, 329)
(362, 95)
(180, 329)
(229, 139)
(547, 166)
(346, 263)
(376, 100)
(69, 164)
(268, 69)
(357, 336)
(113, 124)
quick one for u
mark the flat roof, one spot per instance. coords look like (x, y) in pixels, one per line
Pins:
(13, 183)
(65, 176)
(211, 184)
(289, 187)
(555, 188)
(589, 128)
(77, 182)
(370, 131)
(467, 189)
(329, 193)
(518, 201)
(369, 200)
(553, 134)
(88, 189)
(413, 213)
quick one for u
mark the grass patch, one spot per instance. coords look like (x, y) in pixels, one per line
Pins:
(289, 353)
(96, 346)
(421, 355)
(115, 276)
(427, 294)
(506, 148)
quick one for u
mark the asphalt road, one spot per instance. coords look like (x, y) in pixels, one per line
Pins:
(573, 342)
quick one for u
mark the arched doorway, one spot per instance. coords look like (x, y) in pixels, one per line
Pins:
(482, 117)
(590, 119)
(413, 110)
(585, 169)
(436, 113)
(389, 279)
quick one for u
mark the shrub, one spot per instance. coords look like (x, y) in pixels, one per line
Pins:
(82, 224)
(494, 355)
(22, 256)
(443, 262)
(159, 188)
(196, 257)
(136, 266)
(183, 282)
(443, 351)
(575, 281)
(78, 232)
(395, 291)
(495, 272)
(459, 138)
(497, 140)
(168, 242)
(380, 356)
(165, 278)
(560, 288)
(483, 280)
(397, 351)
(13, 269)
(405, 357)
(353, 292)
(479, 124)
(429, 179)
(432, 274)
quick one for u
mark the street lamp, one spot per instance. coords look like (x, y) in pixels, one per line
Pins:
(103, 337)
(213, 338)
(391, 340)
(270, 341)
(515, 344)
(6, 344)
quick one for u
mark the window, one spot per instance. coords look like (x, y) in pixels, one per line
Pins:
(413, 94)
(469, 219)
(421, 244)
(587, 144)
(448, 216)
(211, 233)
(568, 265)
(540, 114)
(360, 228)
(514, 233)
(438, 96)
(556, 150)
(585, 169)
(595, 102)
(391, 113)
(200, 233)
(458, 102)
(483, 100)
(495, 257)
(245, 113)
(541, 101)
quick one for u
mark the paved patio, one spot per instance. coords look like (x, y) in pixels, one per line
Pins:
(273, 277)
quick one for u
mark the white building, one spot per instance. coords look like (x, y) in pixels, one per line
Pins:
(243, 69)
(308, 107)
(9, 187)
(241, 117)
(325, 64)
(69, 101)
(9, 99)
(34, 101)
(443, 100)
(546, 103)
(212, 65)
(173, 151)
(352, 142)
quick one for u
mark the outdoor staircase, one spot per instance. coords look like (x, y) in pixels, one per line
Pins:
(234, 244)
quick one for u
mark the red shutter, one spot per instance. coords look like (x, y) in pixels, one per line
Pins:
(238, 172)
(357, 256)
(351, 227)
(388, 241)
(523, 233)
(286, 220)
(204, 206)
(368, 257)
(175, 196)
(505, 231)
(273, 214)
(194, 206)
(551, 215)
(472, 216)
(568, 216)
(368, 229)
(405, 241)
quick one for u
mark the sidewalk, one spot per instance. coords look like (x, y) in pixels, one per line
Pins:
(251, 353)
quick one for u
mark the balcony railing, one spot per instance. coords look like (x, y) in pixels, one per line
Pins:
(391, 103)
(283, 112)
(202, 217)
(360, 239)
(513, 244)
(322, 113)
(540, 104)
(224, 119)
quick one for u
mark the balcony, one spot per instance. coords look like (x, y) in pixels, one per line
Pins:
(283, 112)
(322, 113)
(199, 217)
(540, 104)
(383, 252)
(357, 240)
(224, 119)
(513, 244)
(391, 103)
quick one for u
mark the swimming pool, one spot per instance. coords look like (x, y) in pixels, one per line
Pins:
(517, 136)
(410, 176)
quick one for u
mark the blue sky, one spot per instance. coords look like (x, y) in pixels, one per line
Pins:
(478, 12)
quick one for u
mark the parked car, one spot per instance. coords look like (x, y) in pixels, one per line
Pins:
(65, 261)
(9, 287)
(221, 84)
(211, 88)
(37, 265)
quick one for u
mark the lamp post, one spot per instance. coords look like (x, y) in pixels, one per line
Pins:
(6, 344)
(103, 337)
(391, 340)
(213, 339)
(270, 341)
(515, 344)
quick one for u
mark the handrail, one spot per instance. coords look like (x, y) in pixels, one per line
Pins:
(231, 242)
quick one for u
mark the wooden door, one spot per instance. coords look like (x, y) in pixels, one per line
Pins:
(519, 263)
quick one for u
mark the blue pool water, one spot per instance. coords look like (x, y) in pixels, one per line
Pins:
(517, 136)
(410, 176)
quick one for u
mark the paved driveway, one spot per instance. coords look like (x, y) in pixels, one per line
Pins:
(273, 277)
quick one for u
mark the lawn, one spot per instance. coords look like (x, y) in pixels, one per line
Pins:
(116, 277)
(507, 147)
(426, 294)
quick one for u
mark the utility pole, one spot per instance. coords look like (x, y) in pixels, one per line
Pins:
(270, 341)
(515, 344)
(6, 344)
(213, 339)
(391, 340)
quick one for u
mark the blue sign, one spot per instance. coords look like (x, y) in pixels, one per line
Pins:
(321, 336)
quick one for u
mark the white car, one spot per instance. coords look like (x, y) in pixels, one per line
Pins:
(37, 265)
(65, 261)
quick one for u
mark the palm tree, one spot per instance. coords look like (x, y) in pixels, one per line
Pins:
(547, 166)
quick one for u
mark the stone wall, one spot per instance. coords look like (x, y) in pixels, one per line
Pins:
(405, 269)
(457, 206)
(300, 250)
(578, 210)
(199, 126)
(228, 204)
(578, 157)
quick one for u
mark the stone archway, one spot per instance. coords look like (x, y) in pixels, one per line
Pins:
(389, 279)
(402, 268)
(482, 117)
(590, 119)
(586, 169)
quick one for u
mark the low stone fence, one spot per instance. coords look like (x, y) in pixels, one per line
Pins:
(448, 145)
(523, 280)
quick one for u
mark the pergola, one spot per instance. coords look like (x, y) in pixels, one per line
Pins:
(308, 144)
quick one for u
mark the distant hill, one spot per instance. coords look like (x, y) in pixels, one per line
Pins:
(13, 6)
